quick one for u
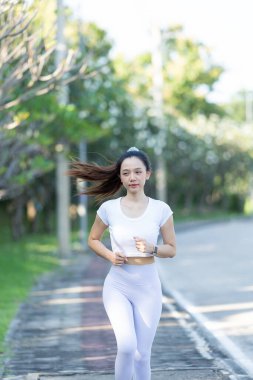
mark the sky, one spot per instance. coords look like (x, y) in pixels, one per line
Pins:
(225, 26)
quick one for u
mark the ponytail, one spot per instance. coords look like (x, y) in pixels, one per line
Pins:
(107, 178)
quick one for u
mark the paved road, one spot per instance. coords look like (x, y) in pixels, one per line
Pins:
(62, 333)
(212, 276)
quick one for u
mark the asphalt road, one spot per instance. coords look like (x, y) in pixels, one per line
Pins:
(212, 276)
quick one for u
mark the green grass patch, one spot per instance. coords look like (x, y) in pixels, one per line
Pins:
(20, 265)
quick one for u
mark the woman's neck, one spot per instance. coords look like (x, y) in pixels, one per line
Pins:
(140, 197)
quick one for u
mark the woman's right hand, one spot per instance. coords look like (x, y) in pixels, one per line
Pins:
(118, 258)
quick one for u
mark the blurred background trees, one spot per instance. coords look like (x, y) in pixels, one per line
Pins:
(208, 148)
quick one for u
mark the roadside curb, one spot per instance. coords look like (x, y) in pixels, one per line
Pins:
(235, 362)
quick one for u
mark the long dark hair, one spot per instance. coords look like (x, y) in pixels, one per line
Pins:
(106, 178)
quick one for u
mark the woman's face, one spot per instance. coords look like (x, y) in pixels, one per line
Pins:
(133, 174)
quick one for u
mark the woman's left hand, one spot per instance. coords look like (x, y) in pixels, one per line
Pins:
(143, 246)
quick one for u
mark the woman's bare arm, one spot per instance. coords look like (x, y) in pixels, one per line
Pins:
(168, 248)
(94, 242)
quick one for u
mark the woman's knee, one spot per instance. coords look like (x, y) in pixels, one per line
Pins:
(142, 356)
(127, 348)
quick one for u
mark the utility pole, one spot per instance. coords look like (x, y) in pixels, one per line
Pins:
(83, 199)
(157, 64)
(62, 180)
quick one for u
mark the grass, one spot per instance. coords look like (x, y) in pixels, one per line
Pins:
(20, 265)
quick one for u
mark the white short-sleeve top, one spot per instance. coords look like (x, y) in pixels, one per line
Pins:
(123, 228)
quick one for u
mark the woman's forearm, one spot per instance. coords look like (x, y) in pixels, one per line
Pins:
(100, 249)
(166, 250)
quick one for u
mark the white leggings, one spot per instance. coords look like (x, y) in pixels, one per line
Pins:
(133, 301)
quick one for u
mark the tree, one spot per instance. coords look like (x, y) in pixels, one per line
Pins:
(26, 71)
(96, 103)
(189, 75)
(25, 60)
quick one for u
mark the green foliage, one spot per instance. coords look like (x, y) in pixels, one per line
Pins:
(237, 107)
(211, 167)
(189, 76)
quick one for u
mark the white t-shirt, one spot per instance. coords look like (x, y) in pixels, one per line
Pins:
(123, 228)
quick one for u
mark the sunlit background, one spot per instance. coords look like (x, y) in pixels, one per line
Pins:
(88, 79)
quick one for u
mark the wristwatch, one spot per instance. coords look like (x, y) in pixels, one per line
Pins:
(155, 252)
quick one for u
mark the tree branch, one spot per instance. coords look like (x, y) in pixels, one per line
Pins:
(9, 31)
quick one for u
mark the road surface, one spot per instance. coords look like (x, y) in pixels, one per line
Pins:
(212, 277)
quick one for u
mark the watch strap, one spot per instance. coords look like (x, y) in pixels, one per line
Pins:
(155, 253)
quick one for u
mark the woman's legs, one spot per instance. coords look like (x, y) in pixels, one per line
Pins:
(134, 309)
(147, 312)
(120, 313)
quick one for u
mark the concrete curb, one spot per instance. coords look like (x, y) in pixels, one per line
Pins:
(236, 363)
